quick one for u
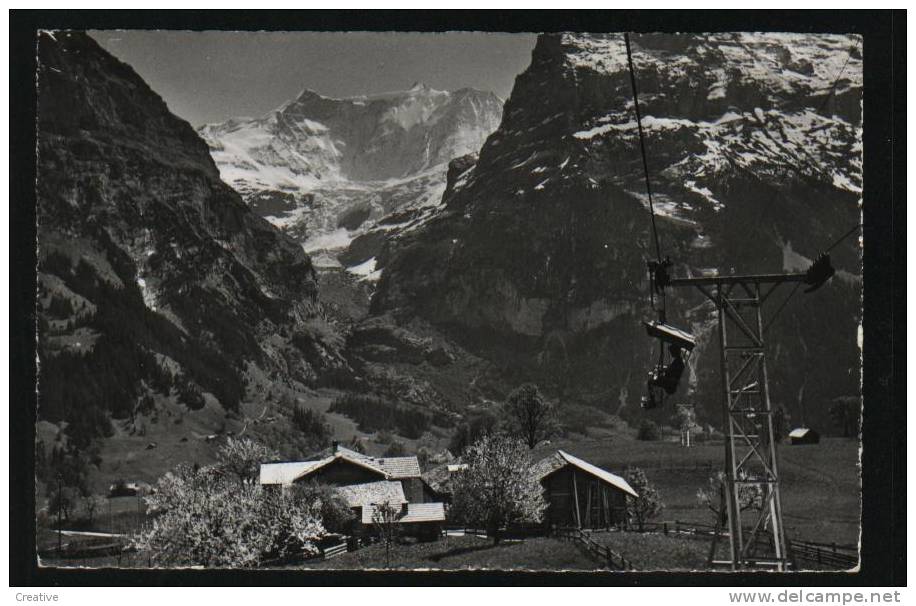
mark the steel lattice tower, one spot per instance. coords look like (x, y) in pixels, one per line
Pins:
(756, 534)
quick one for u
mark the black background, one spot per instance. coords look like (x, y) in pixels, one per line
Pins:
(883, 560)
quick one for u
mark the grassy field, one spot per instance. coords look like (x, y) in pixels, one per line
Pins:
(820, 483)
(456, 553)
(645, 551)
(467, 553)
(659, 551)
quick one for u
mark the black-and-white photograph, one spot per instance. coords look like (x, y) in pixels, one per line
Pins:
(466, 300)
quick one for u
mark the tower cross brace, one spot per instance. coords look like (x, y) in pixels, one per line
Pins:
(756, 533)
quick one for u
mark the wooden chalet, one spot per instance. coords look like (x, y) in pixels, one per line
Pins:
(365, 482)
(580, 494)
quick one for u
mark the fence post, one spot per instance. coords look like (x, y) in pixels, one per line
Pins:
(666, 527)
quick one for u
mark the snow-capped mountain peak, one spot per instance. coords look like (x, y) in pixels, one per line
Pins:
(316, 162)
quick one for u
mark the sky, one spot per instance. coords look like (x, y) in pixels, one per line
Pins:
(212, 76)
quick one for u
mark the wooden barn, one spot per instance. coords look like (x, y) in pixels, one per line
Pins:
(804, 435)
(580, 494)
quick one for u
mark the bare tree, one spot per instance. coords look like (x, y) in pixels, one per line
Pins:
(385, 519)
(92, 504)
(532, 416)
(750, 496)
(687, 420)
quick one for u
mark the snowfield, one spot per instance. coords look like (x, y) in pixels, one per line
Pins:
(327, 170)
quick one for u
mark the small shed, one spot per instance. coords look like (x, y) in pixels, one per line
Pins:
(580, 494)
(420, 520)
(804, 435)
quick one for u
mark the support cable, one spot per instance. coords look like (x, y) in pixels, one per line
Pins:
(798, 284)
(642, 144)
(820, 109)
(843, 237)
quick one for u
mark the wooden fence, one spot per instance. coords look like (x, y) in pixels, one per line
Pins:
(824, 554)
(334, 550)
(510, 533)
(602, 553)
(833, 557)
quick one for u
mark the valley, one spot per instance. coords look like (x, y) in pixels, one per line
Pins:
(383, 270)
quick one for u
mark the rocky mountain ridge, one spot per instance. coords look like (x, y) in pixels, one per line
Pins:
(156, 282)
(538, 258)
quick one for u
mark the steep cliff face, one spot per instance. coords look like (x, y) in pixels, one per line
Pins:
(754, 147)
(325, 170)
(154, 276)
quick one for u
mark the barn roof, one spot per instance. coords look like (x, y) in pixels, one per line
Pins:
(416, 512)
(560, 459)
(361, 495)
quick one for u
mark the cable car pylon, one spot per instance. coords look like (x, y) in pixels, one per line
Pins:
(756, 533)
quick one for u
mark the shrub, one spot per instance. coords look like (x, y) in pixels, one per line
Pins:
(648, 504)
(190, 396)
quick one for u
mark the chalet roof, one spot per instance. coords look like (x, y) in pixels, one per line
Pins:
(389, 468)
(284, 473)
(424, 512)
(416, 512)
(400, 467)
(396, 467)
(560, 459)
(342, 456)
(361, 495)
